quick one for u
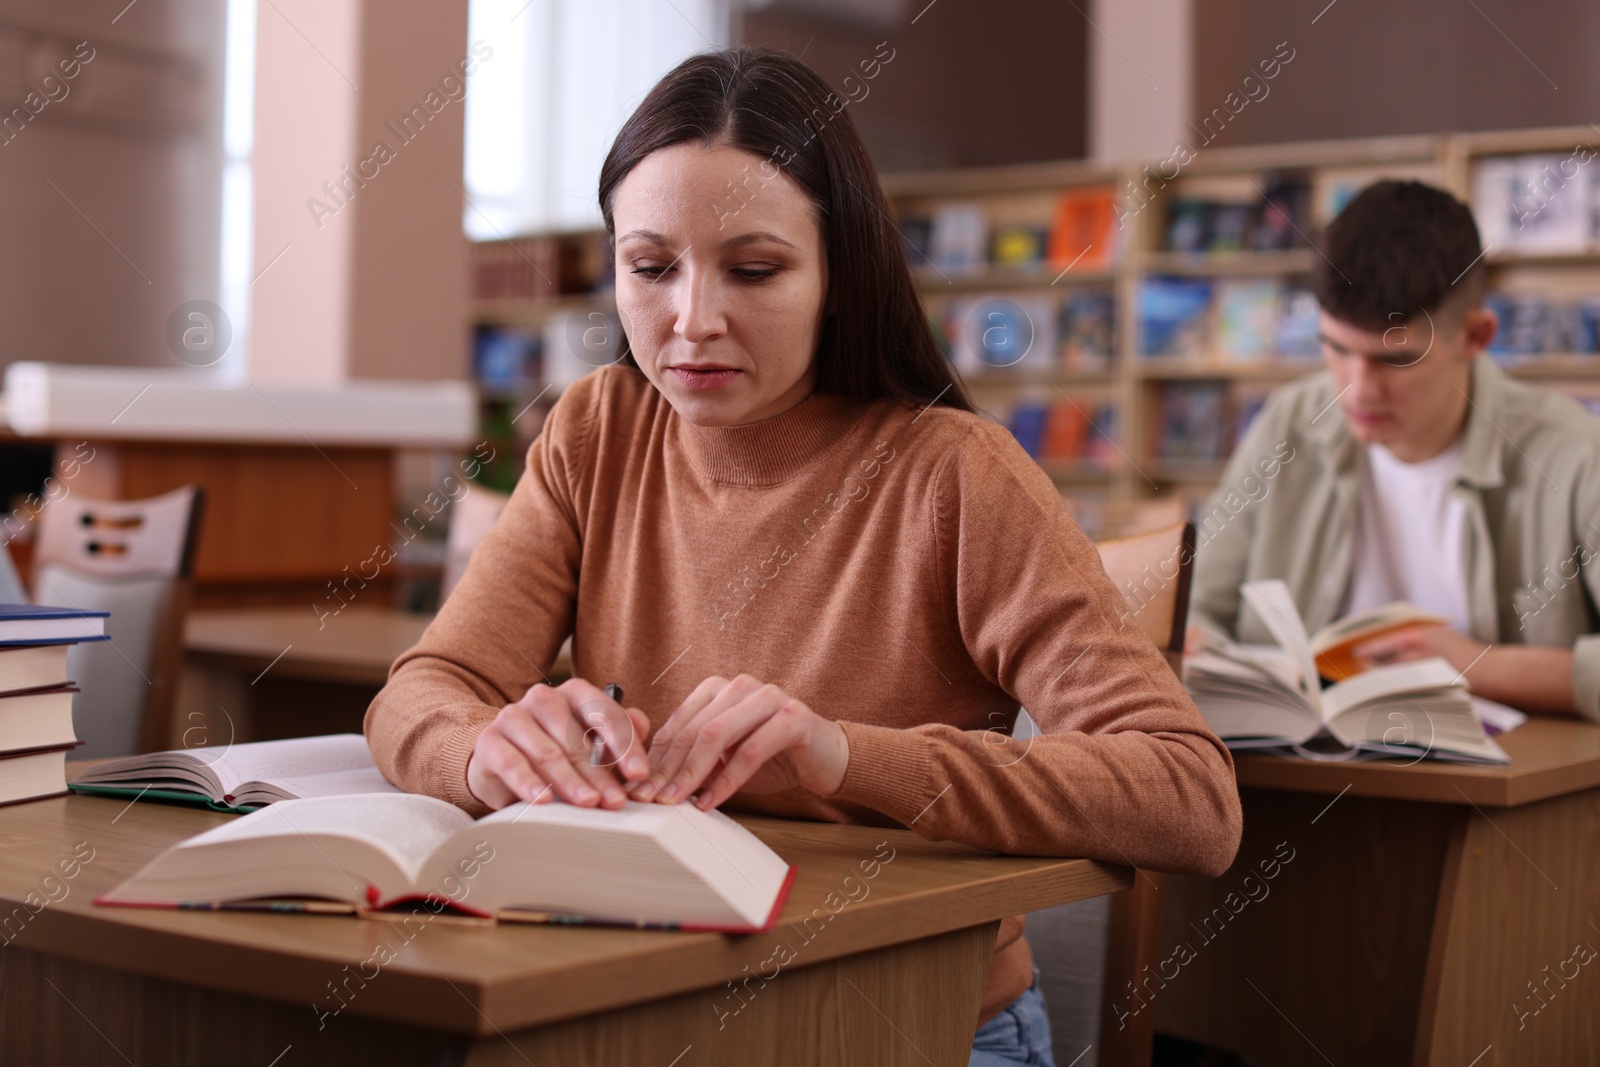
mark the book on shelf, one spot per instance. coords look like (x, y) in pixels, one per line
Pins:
(505, 359)
(1229, 227)
(1051, 430)
(1247, 399)
(916, 237)
(1003, 333)
(1271, 697)
(1193, 426)
(1100, 444)
(1066, 431)
(1248, 311)
(1173, 317)
(958, 241)
(1088, 330)
(242, 777)
(1298, 333)
(1277, 218)
(1533, 324)
(541, 266)
(1018, 247)
(1083, 233)
(1536, 203)
(1283, 217)
(1188, 224)
(1228, 321)
(658, 865)
(1027, 425)
(577, 341)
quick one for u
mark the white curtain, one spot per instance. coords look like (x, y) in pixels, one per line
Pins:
(544, 108)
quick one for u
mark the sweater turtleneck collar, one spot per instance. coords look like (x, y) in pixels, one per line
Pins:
(772, 451)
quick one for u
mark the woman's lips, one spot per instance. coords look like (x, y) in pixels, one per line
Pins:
(708, 378)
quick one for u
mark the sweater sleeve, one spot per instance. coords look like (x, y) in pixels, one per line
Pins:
(500, 629)
(1124, 770)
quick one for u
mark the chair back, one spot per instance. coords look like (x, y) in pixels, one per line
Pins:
(470, 519)
(1089, 952)
(1152, 571)
(132, 558)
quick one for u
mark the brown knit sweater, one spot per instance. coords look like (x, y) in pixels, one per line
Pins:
(908, 572)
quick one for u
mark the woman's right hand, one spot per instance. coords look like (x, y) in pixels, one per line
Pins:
(538, 749)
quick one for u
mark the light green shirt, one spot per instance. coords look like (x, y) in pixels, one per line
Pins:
(1530, 479)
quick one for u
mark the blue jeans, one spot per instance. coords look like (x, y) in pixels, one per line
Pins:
(1019, 1035)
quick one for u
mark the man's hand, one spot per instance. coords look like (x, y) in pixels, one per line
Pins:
(1421, 642)
(539, 748)
(1524, 676)
(742, 734)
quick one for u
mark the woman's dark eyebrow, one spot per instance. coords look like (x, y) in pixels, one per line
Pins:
(648, 235)
(755, 238)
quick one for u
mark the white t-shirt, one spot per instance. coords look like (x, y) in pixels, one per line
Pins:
(1410, 536)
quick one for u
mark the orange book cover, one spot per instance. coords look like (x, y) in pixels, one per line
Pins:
(1084, 232)
(1064, 431)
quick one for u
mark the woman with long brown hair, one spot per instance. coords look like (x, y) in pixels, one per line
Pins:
(825, 583)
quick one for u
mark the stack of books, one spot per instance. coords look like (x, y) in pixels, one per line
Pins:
(36, 696)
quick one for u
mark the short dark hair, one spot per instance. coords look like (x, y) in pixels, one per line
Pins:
(1398, 249)
(876, 342)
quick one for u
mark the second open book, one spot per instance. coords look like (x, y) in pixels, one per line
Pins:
(1264, 697)
(647, 864)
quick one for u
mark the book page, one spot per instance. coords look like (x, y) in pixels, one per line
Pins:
(1380, 618)
(266, 770)
(295, 757)
(1275, 608)
(731, 860)
(404, 826)
(1392, 680)
(327, 784)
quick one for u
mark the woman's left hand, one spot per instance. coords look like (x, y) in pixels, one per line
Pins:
(743, 734)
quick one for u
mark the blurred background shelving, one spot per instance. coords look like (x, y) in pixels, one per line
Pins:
(1127, 322)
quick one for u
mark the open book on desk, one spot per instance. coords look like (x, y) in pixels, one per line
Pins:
(662, 865)
(1266, 697)
(242, 777)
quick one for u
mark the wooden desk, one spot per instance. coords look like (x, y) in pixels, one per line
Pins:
(894, 978)
(283, 672)
(1419, 903)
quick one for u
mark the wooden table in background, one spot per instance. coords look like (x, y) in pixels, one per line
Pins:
(288, 673)
(1420, 903)
(355, 646)
(893, 978)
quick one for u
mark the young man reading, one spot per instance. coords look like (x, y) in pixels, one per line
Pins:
(1414, 469)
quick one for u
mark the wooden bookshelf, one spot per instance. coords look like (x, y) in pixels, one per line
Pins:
(1131, 387)
(1135, 384)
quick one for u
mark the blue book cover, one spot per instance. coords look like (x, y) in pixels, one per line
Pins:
(1172, 316)
(41, 624)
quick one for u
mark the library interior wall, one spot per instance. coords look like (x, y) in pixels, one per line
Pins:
(1370, 68)
(112, 193)
(970, 84)
(373, 282)
(1140, 66)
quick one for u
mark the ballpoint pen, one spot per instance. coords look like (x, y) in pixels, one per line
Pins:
(597, 747)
